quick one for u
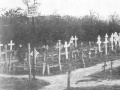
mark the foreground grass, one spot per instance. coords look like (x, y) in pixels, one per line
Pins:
(21, 84)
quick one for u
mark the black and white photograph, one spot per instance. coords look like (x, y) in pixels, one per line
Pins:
(59, 44)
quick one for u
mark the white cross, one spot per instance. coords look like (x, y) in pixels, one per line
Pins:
(115, 38)
(11, 44)
(66, 49)
(59, 45)
(111, 40)
(119, 39)
(0, 46)
(106, 41)
(72, 38)
(99, 43)
(47, 47)
(36, 53)
(76, 41)
(90, 44)
(89, 54)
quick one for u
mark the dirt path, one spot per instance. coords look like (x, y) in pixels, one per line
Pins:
(59, 82)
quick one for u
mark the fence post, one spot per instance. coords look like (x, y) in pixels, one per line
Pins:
(29, 62)
(6, 65)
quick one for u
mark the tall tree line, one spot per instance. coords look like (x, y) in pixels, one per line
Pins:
(17, 27)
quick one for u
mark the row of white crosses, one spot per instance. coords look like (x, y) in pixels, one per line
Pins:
(11, 44)
(66, 45)
(72, 39)
(99, 43)
(114, 40)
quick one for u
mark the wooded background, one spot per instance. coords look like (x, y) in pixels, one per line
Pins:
(17, 27)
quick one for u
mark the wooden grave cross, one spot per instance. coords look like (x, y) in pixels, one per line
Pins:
(115, 38)
(66, 49)
(99, 43)
(106, 41)
(11, 44)
(72, 39)
(119, 40)
(59, 46)
(36, 53)
(47, 47)
(76, 40)
(95, 51)
(111, 40)
(89, 44)
(89, 53)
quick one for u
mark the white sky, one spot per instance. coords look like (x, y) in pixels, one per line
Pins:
(70, 7)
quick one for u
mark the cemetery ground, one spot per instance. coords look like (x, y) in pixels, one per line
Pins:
(83, 67)
(92, 77)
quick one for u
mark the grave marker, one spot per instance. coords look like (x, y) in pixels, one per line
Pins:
(95, 51)
(76, 41)
(47, 47)
(66, 49)
(72, 39)
(89, 44)
(119, 40)
(99, 43)
(115, 38)
(106, 41)
(59, 46)
(112, 40)
(11, 44)
(89, 54)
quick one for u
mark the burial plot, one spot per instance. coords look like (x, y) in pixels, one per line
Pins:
(23, 56)
(40, 61)
(10, 53)
(52, 61)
